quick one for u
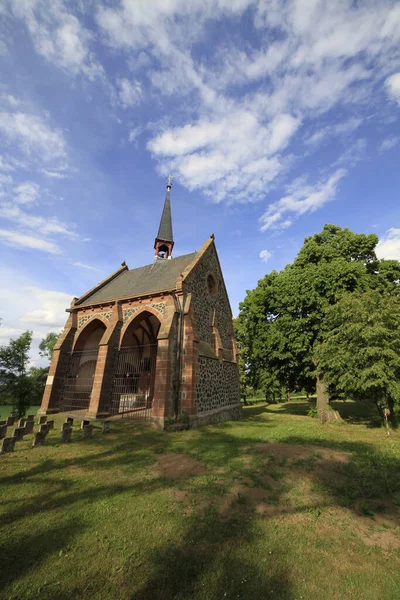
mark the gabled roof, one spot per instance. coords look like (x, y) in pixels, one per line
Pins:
(125, 283)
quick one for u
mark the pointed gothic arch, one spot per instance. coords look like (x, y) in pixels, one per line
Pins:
(90, 335)
(81, 368)
(135, 318)
(135, 368)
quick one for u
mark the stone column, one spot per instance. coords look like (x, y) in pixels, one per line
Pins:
(58, 368)
(163, 400)
(190, 361)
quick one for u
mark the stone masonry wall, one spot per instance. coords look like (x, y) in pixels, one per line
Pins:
(204, 302)
(218, 384)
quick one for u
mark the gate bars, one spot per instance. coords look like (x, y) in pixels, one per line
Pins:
(79, 380)
(132, 387)
(134, 376)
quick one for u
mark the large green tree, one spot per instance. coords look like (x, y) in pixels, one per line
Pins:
(359, 354)
(282, 320)
(16, 384)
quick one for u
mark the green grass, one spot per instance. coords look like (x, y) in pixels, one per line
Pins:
(219, 512)
(6, 410)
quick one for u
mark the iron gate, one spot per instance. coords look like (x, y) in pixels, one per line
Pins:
(134, 376)
(79, 380)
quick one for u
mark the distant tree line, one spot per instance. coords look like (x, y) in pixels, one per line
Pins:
(20, 385)
(327, 323)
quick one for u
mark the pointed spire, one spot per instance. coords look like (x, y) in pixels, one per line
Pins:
(164, 241)
(165, 229)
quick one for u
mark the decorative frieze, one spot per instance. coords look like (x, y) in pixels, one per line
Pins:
(128, 312)
(83, 319)
(160, 306)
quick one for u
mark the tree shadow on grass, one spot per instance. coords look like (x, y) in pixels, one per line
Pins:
(251, 412)
(204, 555)
(212, 557)
(291, 408)
(207, 563)
(367, 477)
(354, 413)
(23, 553)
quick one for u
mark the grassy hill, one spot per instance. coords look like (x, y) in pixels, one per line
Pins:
(275, 506)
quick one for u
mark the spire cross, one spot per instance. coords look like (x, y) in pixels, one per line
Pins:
(169, 181)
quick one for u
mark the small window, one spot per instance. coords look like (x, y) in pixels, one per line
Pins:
(163, 252)
(212, 285)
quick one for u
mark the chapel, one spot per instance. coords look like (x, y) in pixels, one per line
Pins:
(154, 343)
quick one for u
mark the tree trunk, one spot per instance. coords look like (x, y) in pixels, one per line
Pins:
(322, 395)
(380, 411)
(325, 412)
(392, 415)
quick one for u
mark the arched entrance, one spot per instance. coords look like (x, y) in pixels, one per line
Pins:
(134, 374)
(82, 367)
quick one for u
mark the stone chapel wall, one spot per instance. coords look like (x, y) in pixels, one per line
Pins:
(203, 302)
(217, 386)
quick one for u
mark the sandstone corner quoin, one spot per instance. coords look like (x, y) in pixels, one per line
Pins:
(155, 342)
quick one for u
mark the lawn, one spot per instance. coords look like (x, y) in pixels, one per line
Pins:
(274, 506)
(6, 410)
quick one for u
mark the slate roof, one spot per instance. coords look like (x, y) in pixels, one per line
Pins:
(165, 229)
(161, 275)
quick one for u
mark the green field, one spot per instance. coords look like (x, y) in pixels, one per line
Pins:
(6, 410)
(274, 506)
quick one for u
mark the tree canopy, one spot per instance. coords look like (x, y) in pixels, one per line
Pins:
(47, 344)
(359, 354)
(282, 320)
(16, 385)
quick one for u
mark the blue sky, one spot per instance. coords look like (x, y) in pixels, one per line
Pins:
(273, 116)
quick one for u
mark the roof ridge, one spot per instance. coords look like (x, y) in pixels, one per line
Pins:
(164, 261)
(139, 281)
(98, 286)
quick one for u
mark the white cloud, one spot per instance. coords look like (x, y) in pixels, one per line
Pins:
(265, 255)
(353, 154)
(8, 99)
(237, 107)
(389, 143)
(54, 174)
(393, 87)
(59, 36)
(20, 240)
(130, 92)
(282, 129)
(389, 245)
(33, 136)
(32, 231)
(232, 157)
(26, 306)
(134, 134)
(83, 266)
(5, 166)
(5, 179)
(26, 193)
(301, 199)
(339, 129)
(322, 57)
(51, 308)
(29, 223)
